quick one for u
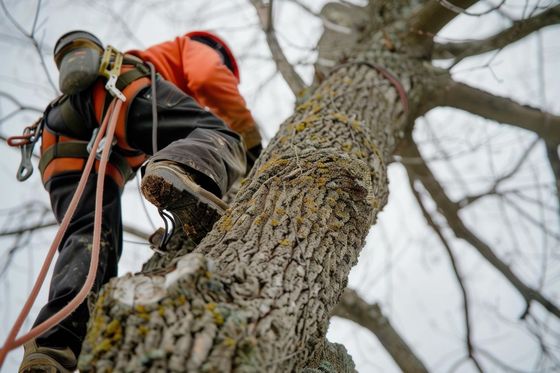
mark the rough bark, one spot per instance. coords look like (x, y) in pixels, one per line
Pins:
(257, 293)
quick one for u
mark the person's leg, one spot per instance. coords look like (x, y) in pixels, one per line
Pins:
(199, 160)
(72, 265)
(189, 135)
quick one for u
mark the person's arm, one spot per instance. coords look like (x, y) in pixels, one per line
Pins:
(214, 86)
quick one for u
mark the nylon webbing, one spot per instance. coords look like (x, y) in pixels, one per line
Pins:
(75, 149)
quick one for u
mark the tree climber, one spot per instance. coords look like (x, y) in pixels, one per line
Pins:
(192, 111)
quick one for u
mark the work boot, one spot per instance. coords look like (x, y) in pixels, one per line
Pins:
(169, 186)
(37, 359)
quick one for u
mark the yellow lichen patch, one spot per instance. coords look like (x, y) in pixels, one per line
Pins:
(280, 211)
(341, 213)
(284, 242)
(304, 106)
(140, 308)
(225, 223)
(113, 327)
(321, 181)
(300, 126)
(143, 330)
(229, 342)
(299, 220)
(341, 117)
(274, 162)
(310, 204)
(218, 318)
(274, 223)
(180, 300)
(161, 311)
(104, 346)
(316, 108)
(335, 226)
(373, 202)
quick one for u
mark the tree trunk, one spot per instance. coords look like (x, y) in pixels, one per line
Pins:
(258, 292)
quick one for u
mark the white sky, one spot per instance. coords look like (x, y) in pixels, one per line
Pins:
(403, 265)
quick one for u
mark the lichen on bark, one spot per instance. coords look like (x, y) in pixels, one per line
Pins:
(257, 293)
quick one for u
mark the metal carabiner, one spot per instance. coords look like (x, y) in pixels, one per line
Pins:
(25, 167)
(26, 142)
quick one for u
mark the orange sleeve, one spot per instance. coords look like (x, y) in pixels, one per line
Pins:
(215, 87)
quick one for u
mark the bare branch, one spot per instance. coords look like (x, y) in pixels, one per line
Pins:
(292, 78)
(454, 8)
(493, 190)
(518, 30)
(554, 161)
(500, 109)
(354, 308)
(33, 39)
(29, 229)
(450, 211)
(437, 229)
(433, 16)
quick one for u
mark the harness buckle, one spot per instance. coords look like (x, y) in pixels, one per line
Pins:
(101, 145)
(110, 67)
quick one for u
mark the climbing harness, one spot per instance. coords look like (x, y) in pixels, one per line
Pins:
(106, 132)
(109, 126)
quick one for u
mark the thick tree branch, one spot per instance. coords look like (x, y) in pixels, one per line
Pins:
(450, 211)
(518, 30)
(437, 230)
(292, 78)
(354, 308)
(433, 16)
(501, 109)
(554, 161)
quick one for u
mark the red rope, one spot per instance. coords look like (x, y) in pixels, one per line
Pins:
(11, 342)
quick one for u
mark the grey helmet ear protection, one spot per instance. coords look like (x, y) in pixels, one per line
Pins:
(77, 55)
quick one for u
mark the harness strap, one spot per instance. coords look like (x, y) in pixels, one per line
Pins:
(78, 149)
(128, 77)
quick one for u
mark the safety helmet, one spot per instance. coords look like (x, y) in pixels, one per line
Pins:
(220, 46)
(75, 39)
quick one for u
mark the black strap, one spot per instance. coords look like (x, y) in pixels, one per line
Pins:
(72, 119)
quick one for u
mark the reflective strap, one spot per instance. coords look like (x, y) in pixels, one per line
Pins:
(78, 149)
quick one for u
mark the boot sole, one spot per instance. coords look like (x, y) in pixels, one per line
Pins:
(42, 363)
(196, 209)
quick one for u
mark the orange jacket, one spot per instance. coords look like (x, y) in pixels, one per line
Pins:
(198, 70)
